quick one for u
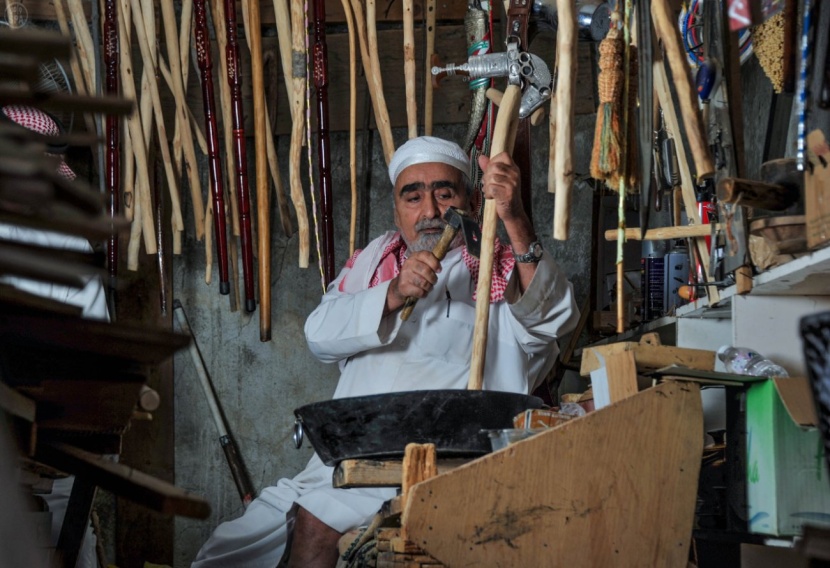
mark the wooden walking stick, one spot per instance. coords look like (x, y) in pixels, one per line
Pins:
(282, 15)
(240, 158)
(563, 174)
(321, 85)
(263, 201)
(352, 124)
(504, 137)
(112, 132)
(428, 52)
(203, 57)
(409, 69)
(297, 117)
(376, 85)
(191, 165)
(219, 27)
(270, 148)
(152, 86)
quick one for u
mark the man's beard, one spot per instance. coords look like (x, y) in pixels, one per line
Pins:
(427, 241)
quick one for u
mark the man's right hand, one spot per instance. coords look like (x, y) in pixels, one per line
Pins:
(418, 275)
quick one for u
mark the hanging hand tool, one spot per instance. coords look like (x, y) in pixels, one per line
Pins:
(321, 85)
(352, 124)
(238, 472)
(476, 31)
(531, 71)
(456, 220)
(203, 56)
(240, 158)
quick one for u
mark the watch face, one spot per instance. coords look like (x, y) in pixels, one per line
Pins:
(537, 250)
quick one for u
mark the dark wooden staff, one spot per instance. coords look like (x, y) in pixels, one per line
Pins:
(321, 85)
(113, 173)
(214, 160)
(240, 159)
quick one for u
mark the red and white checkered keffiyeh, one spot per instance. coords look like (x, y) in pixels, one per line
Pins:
(38, 121)
(393, 257)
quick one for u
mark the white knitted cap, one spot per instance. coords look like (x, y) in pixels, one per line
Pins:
(427, 149)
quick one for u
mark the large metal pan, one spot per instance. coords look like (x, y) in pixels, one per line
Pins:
(380, 426)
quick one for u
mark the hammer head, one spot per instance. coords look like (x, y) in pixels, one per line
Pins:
(461, 221)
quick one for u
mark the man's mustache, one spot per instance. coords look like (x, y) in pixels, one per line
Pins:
(425, 224)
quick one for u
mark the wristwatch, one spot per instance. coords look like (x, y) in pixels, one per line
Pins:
(533, 254)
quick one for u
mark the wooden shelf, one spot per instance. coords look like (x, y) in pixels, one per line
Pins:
(808, 275)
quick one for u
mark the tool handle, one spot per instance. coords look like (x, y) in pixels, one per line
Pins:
(439, 251)
(240, 475)
(504, 137)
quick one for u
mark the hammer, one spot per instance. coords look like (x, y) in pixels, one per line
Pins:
(457, 220)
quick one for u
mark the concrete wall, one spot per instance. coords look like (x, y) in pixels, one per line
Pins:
(260, 384)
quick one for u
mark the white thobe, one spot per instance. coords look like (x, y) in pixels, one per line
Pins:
(378, 354)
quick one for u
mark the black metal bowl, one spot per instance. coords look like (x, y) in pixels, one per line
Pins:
(380, 426)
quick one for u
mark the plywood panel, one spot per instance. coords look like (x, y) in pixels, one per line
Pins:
(614, 488)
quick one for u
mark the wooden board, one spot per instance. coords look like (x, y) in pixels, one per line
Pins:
(614, 488)
(650, 357)
(377, 473)
(124, 481)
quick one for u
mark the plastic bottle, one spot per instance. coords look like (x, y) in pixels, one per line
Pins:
(745, 361)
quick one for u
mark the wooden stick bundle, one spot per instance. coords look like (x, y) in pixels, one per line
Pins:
(152, 85)
(191, 165)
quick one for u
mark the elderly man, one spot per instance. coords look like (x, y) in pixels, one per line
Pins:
(357, 325)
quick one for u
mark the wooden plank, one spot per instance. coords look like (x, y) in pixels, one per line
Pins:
(649, 356)
(124, 481)
(16, 404)
(519, 507)
(377, 473)
(418, 465)
(615, 379)
(664, 233)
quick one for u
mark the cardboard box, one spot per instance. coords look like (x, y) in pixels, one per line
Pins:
(787, 480)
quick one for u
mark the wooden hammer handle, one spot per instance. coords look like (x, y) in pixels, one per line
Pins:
(440, 251)
(504, 137)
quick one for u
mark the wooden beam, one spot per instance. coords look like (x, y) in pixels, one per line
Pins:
(377, 473)
(649, 356)
(124, 481)
(664, 233)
